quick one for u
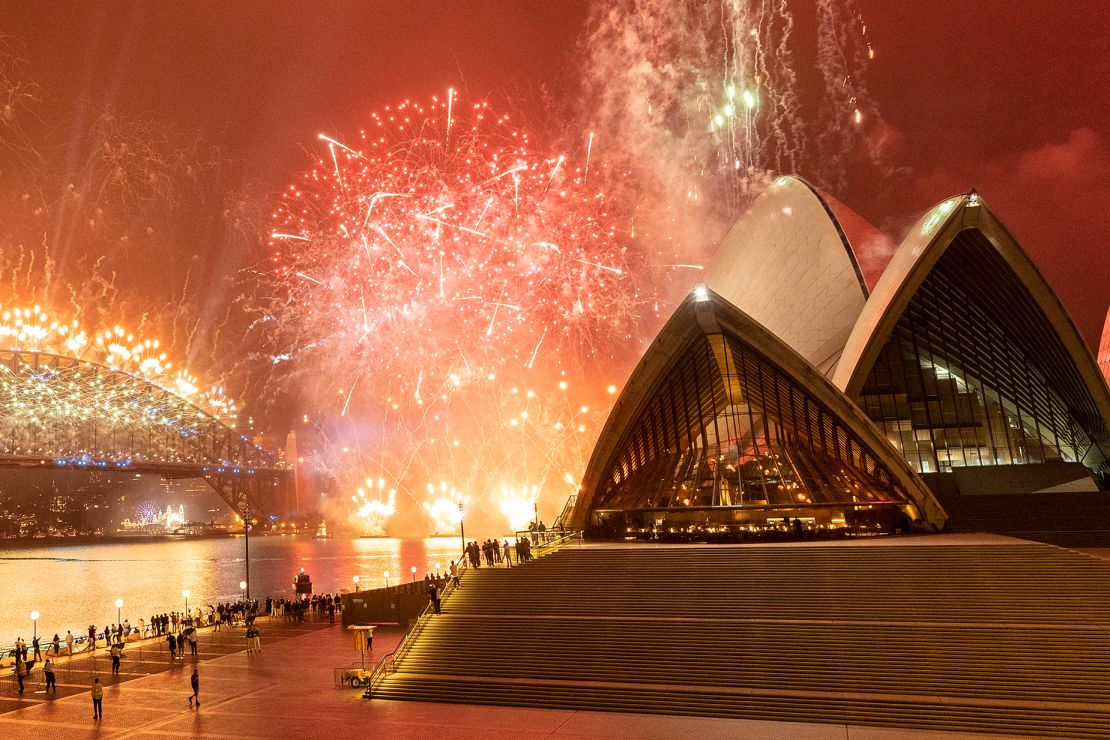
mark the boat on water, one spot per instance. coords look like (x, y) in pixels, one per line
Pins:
(322, 532)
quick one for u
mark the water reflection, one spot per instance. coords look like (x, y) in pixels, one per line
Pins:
(75, 585)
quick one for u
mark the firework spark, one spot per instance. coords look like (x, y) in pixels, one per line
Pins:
(410, 256)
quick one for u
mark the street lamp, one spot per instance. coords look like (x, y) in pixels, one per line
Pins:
(462, 530)
(185, 593)
(119, 607)
(35, 620)
(243, 586)
(247, 546)
(413, 571)
(386, 574)
(355, 579)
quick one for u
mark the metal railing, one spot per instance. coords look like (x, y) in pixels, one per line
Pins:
(387, 664)
(558, 543)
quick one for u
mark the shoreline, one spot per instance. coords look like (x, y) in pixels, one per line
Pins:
(28, 543)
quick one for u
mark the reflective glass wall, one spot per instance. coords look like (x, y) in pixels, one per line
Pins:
(972, 376)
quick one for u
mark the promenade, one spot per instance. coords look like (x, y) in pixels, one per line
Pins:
(287, 691)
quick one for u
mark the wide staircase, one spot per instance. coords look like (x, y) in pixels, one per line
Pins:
(1011, 637)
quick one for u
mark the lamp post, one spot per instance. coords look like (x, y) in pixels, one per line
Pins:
(386, 574)
(462, 530)
(185, 593)
(355, 579)
(413, 571)
(35, 621)
(119, 608)
(243, 586)
(247, 546)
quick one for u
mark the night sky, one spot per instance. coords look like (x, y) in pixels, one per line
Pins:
(1008, 97)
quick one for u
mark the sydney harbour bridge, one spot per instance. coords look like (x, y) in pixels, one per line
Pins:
(64, 413)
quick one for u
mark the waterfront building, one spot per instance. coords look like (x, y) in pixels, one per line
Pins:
(823, 374)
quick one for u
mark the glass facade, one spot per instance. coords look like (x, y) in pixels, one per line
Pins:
(973, 374)
(727, 438)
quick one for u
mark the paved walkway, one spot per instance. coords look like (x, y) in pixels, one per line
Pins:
(287, 691)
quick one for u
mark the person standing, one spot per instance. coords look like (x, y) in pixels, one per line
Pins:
(98, 699)
(507, 555)
(57, 644)
(433, 595)
(171, 640)
(193, 640)
(92, 637)
(69, 642)
(35, 646)
(48, 671)
(195, 682)
(115, 653)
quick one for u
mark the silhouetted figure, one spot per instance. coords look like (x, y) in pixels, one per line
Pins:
(97, 699)
(194, 681)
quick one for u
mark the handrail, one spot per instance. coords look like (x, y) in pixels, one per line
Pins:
(380, 670)
(558, 543)
(377, 674)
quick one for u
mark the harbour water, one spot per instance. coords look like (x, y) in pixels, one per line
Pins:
(74, 585)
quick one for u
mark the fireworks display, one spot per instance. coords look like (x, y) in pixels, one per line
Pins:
(437, 272)
(447, 293)
(442, 273)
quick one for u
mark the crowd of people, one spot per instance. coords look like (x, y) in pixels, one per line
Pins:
(498, 553)
(180, 633)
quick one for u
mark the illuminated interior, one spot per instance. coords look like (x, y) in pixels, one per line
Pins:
(729, 440)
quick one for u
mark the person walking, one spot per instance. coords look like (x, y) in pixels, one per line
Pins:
(57, 644)
(98, 699)
(194, 681)
(171, 640)
(69, 643)
(20, 670)
(35, 646)
(257, 639)
(92, 638)
(115, 651)
(48, 671)
(455, 573)
(193, 640)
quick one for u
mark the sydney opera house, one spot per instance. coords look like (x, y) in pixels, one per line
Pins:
(824, 377)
